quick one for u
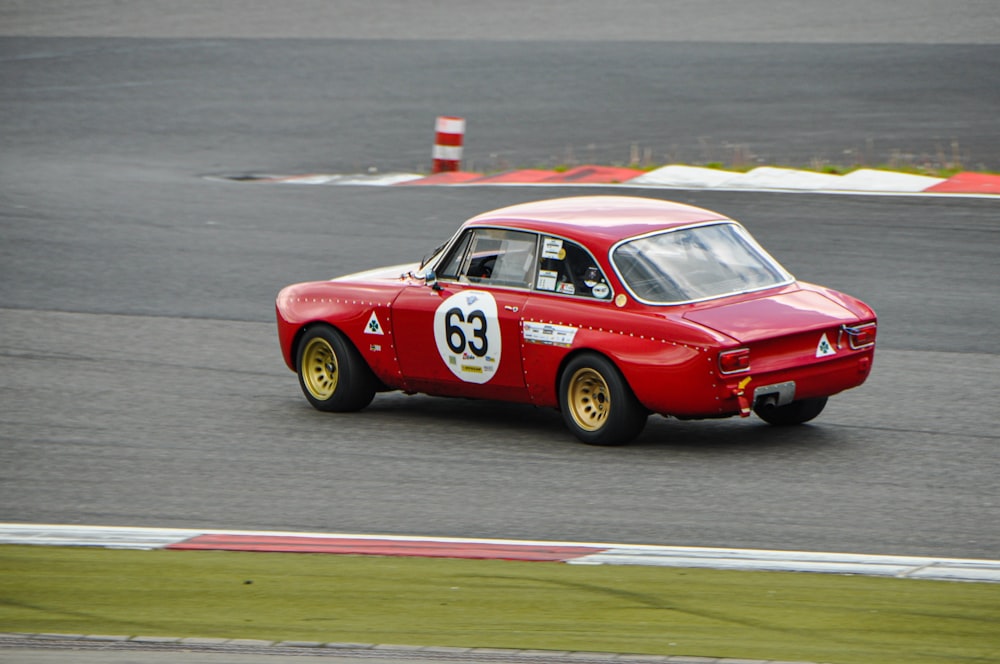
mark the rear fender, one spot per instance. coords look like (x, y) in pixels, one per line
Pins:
(666, 375)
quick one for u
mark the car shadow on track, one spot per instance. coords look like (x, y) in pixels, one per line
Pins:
(732, 434)
(523, 423)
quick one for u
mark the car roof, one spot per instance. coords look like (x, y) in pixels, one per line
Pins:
(596, 219)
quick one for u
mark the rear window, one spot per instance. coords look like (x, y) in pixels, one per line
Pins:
(696, 263)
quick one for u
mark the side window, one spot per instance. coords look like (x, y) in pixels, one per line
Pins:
(492, 256)
(515, 261)
(566, 267)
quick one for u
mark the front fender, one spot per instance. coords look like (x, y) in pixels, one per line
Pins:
(348, 310)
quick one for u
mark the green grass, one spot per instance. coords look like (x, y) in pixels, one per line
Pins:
(498, 604)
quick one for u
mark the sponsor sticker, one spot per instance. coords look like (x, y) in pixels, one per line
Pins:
(547, 279)
(553, 248)
(549, 334)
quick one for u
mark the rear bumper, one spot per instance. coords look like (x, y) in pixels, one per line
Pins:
(741, 393)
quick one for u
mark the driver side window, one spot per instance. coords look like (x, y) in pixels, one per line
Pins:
(492, 256)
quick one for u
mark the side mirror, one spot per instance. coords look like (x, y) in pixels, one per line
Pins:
(430, 279)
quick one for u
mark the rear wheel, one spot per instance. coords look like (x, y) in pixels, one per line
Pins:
(333, 375)
(796, 412)
(597, 404)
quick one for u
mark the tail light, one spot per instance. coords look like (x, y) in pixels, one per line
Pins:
(859, 336)
(734, 361)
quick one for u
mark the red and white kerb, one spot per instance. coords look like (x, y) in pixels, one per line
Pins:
(448, 144)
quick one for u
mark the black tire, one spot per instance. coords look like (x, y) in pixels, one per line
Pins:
(796, 412)
(597, 404)
(332, 374)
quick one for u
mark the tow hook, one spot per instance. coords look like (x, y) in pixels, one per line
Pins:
(741, 397)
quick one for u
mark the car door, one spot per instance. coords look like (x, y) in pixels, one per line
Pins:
(462, 336)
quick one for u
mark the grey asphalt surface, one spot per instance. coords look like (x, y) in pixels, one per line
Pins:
(140, 379)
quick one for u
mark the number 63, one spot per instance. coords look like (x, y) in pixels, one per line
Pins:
(455, 333)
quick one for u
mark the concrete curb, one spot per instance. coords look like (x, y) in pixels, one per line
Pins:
(577, 553)
(434, 653)
(763, 179)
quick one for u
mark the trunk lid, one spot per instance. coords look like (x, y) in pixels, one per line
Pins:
(773, 316)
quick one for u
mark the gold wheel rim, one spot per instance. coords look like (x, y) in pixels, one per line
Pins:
(320, 370)
(589, 399)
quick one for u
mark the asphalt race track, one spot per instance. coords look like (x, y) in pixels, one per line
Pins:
(139, 368)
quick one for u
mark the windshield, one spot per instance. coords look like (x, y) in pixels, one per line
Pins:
(698, 263)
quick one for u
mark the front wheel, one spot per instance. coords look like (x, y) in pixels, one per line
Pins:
(796, 412)
(333, 375)
(597, 404)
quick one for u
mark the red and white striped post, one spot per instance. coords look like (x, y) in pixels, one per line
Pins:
(448, 144)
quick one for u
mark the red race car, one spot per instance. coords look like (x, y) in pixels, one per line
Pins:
(607, 308)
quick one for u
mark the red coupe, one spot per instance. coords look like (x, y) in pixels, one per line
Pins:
(607, 308)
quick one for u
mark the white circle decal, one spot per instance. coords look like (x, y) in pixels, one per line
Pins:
(467, 333)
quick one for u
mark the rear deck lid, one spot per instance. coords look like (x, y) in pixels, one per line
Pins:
(772, 316)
